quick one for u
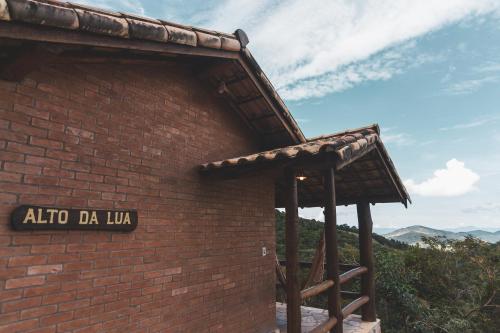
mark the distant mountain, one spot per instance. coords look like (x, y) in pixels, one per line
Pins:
(468, 229)
(382, 230)
(413, 235)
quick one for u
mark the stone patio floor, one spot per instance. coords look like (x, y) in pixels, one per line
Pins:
(312, 317)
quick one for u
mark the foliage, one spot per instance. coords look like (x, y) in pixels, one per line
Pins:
(443, 286)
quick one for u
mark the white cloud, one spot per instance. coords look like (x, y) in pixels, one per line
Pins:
(469, 86)
(487, 207)
(489, 67)
(389, 136)
(455, 180)
(473, 123)
(481, 75)
(311, 48)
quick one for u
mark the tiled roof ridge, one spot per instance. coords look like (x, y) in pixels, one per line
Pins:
(342, 143)
(72, 16)
(373, 127)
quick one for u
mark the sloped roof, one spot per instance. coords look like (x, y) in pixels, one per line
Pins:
(224, 60)
(364, 168)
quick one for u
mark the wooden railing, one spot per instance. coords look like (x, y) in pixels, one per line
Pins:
(316, 289)
(351, 272)
(354, 305)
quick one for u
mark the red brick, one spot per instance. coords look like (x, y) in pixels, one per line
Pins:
(38, 199)
(79, 132)
(61, 155)
(38, 311)
(21, 304)
(80, 247)
(51, 172)
(8, 295)
(105, 281)
(25, 282)
(43, 162)
(44, 269)
(11, 157)
(8, 250)
(19, 326)
(46, 289)
(74, 305)
(25, 149)
(56, 318)
(31, 111)
(8, 318)
(30, 130)
(13, 136)
(78, 266)
(27, 260)
(89, 177)
(43, 123)
(22, 168)
(72, 325)
(31, 239)
(47, 143)
(71, 202)
(10, 177)
(116, 180)
(51, 329)
(59, 298)
(8, 198)
(52, 248)
(75, 166)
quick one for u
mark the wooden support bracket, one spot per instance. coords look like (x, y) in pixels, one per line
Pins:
(351, 274)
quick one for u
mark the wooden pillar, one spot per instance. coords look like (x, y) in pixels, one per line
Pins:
(292, 254)
(332, 253)
(366, 259)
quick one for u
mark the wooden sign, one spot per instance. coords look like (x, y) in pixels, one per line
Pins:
(46, 218)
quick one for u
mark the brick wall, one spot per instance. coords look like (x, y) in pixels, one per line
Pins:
(115, 136)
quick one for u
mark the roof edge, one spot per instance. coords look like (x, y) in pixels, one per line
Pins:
(372, 127)
(66, 15)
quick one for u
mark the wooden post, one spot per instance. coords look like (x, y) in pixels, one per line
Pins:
(292, 254)
(332, 254)
(365, 224)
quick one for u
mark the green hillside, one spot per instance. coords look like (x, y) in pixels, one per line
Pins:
(449, 286)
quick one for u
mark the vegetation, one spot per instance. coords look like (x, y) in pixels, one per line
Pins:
(447, 286)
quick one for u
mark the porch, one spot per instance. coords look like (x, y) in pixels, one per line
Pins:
(348, 168)
(313, 317)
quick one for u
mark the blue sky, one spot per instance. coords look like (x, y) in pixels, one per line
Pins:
(427, 72)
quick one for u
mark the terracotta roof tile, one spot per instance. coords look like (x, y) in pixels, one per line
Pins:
(71, 16)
